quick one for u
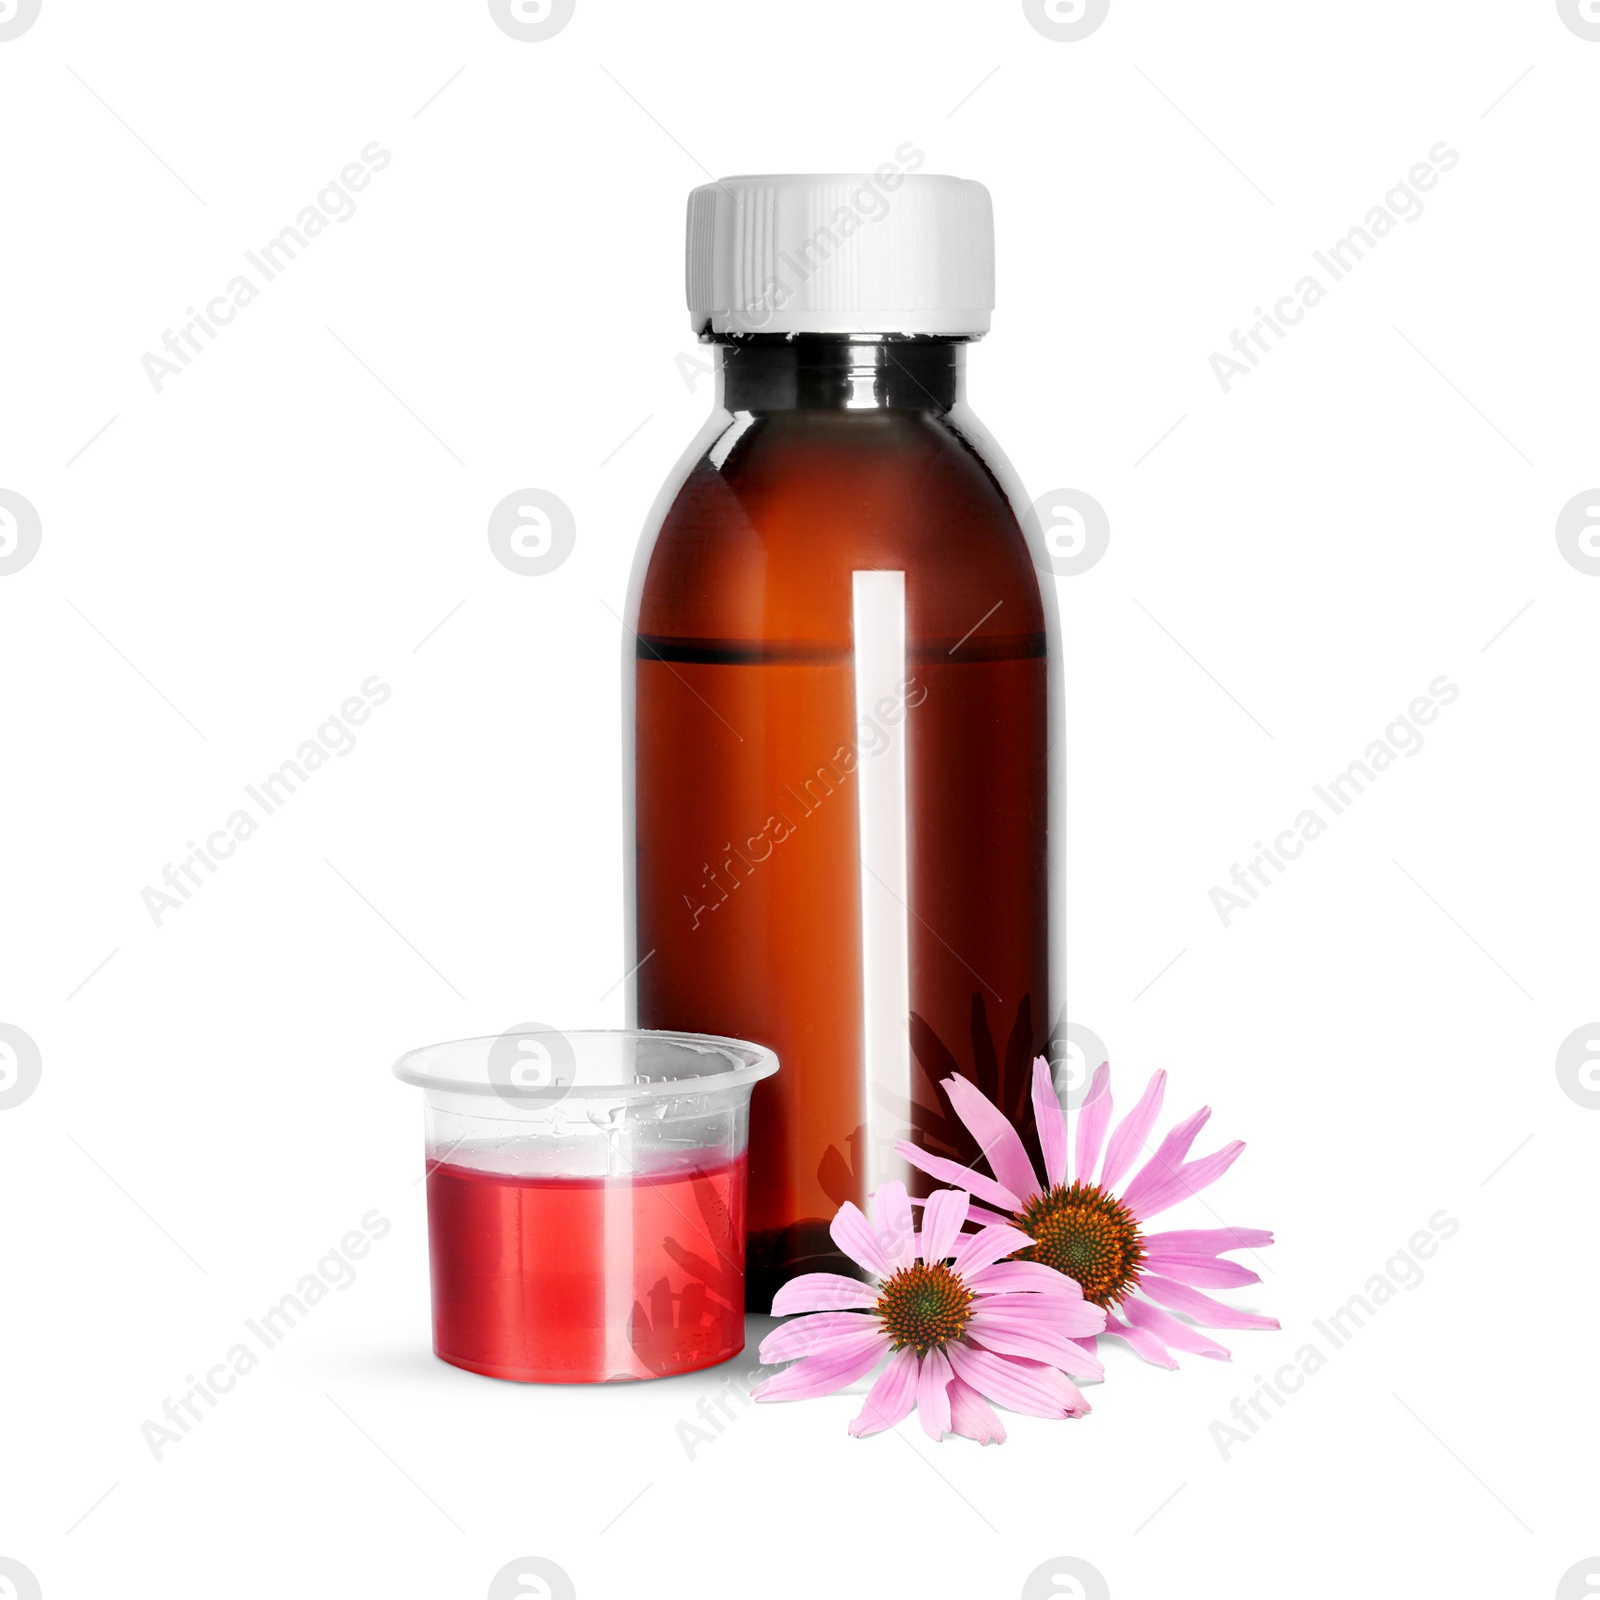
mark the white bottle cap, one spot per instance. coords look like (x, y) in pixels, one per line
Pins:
(842, 252)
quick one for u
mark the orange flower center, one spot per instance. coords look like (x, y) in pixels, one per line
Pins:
(924, 1308)
(1087, 1234)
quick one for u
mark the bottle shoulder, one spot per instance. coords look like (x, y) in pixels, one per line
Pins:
(778, 510)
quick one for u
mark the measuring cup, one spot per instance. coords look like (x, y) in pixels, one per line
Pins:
(586, 1200)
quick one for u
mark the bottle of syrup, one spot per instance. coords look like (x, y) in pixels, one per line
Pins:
(843, 681)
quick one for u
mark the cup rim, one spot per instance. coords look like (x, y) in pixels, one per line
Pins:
(756, 1063)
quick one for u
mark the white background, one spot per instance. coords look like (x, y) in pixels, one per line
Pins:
(1289, 567)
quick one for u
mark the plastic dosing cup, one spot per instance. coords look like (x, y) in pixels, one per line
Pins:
(586, 1200)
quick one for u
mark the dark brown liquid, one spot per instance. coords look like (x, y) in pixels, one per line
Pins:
(748, 759)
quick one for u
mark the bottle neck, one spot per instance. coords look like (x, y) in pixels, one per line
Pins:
(840, 372)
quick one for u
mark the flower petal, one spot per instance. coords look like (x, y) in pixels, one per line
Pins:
(853, 1234)
(1051, 1122)
(824, 1374)
(975, 1251)
(891, 1398)
(1144, 1342)
(975, 1213)
(1094, 1116)
(1190, 1178)
(1020, 1336)
(998, 1140)
(972, 1416)
(968, 1178)
(1027, 1386)
(815, 1335)
(1207, 1312)
(933, 1399)
(942, 1219)
(1073, 1317)
(823, 1291)
(1012, 1277)
(1209, 1241)
(1168, 1157)
(1212, 1271)
(1131, 1132)
(893, 1224)
(1152, 1319)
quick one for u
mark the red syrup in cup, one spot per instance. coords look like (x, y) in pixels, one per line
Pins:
(548, 1279)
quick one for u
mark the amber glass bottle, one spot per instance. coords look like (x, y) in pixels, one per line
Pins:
(840, 662)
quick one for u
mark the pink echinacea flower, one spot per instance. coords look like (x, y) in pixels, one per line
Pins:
(1096, 1236)
(961, 1324)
